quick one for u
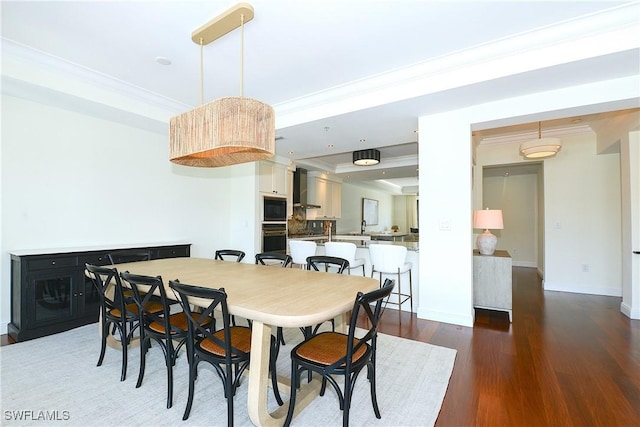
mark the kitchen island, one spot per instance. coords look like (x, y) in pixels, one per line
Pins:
(362, 251)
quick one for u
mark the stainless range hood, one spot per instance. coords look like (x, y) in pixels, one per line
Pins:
(300, 190)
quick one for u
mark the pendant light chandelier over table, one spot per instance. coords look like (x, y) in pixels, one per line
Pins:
(229, 130)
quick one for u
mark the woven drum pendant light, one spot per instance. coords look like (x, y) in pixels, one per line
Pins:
(229, 130)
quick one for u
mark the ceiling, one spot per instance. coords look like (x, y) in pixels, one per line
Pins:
(317, 63)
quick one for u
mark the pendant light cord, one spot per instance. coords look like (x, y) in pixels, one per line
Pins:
(241, 53)
(201, 71)
(241, 62)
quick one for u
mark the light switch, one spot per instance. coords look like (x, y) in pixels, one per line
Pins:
(444, 224)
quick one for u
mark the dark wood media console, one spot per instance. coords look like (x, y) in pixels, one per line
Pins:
(50, 292)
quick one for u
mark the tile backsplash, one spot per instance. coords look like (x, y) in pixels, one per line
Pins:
(299, 224)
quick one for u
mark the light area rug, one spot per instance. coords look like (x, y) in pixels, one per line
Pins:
(54, 381)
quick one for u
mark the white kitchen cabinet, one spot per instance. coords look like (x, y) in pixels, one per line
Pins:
(274, 178)
(327, 194)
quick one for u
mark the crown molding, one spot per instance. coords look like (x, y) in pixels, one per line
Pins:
(610, 31)
(526, 136)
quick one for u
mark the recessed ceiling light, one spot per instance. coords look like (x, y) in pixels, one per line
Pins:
(163, 61)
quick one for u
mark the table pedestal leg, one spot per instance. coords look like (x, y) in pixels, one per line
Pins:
(259, 381)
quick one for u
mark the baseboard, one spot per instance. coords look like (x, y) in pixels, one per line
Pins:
(580, 289)
(529, 264)
(629, 312)
(439, 316)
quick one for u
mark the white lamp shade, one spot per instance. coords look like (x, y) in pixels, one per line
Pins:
(488, 219)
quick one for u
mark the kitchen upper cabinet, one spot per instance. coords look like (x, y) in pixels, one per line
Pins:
(274, 178)
(327, 194)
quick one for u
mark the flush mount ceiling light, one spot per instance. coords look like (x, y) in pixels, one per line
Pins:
(540, 148)
(229, 130)
(368, 157)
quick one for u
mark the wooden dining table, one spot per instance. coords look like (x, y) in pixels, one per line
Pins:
(269, 296)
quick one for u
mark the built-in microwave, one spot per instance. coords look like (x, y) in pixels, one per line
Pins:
(274, 209)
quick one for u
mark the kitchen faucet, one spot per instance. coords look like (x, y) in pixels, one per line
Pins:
(363, 224)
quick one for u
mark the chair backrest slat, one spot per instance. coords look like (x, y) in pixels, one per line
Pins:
(283, 260)
(326, 262)
(229, 255)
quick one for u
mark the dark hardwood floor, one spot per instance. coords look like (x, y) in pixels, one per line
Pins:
(566, 360)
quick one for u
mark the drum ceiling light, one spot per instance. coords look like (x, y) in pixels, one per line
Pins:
(540, 148)
(368, 157)
(229, 130)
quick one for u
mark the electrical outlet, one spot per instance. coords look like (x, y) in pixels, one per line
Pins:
(585, 268)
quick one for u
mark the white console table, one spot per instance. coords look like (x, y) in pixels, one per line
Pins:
(492, 287)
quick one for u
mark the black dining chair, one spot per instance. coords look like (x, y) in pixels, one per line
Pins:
(122, 256)
(229, 255)
(327, 264)
(280, 260)
(228, 349)
(274, 258)
(168, 330)
(123, 316)
(335, 354)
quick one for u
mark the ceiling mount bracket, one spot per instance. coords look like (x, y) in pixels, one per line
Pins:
(223, 24)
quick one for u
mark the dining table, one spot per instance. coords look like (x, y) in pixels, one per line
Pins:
(270, 297)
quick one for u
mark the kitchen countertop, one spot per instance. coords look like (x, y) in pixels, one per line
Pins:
(364, 243)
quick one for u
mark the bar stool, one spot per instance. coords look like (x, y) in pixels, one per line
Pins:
(347, 251)
(391, 259)
(300, 250)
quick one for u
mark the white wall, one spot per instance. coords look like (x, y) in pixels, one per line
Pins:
(581, 214)
(516, 195)
(583, 220)
(446, 281)
(352, 209)
(445, 219)
(70, 180)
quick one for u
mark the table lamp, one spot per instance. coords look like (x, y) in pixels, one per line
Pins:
(487, 219)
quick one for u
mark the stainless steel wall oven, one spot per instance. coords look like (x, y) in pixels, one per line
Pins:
(274, 209)
(274, 238)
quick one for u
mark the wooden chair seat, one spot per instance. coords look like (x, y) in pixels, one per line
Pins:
(177, 320)
(131, 310)
(327, 348)
(240, 339)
